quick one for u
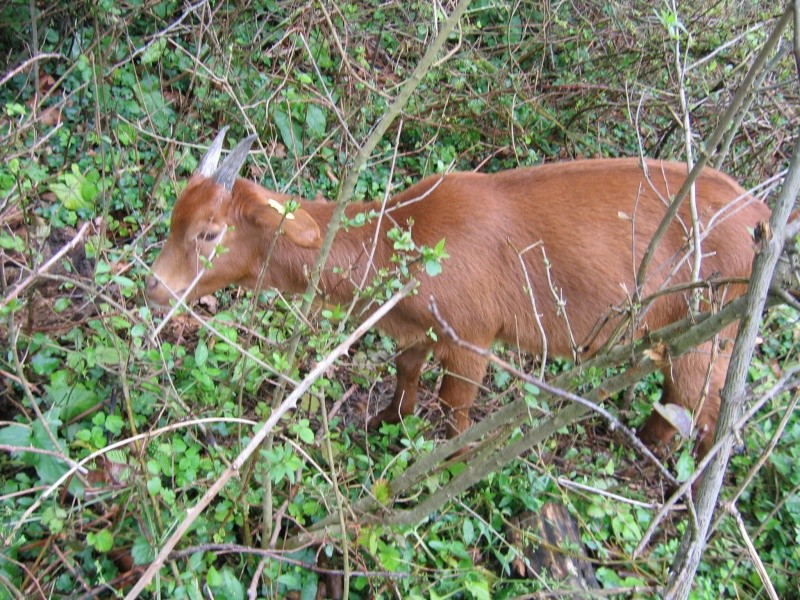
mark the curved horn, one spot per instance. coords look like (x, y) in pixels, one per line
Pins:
(208, 164)
(227, 172)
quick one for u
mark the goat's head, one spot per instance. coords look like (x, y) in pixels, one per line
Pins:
(220, 229)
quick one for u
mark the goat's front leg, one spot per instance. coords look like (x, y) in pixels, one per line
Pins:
(409, 366)
(463, 374)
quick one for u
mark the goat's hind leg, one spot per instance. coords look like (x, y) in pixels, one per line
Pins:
(691, 383)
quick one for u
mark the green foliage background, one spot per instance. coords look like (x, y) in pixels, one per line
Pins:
(106, 108)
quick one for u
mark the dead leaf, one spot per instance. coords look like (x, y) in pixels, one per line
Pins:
(279, 151)
(657, 353)
(46, 81)
(329, 173)
(677, 416)
(210, 303)
(762, 234)
(51, 116)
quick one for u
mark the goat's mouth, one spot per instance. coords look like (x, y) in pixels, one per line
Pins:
(161, 295)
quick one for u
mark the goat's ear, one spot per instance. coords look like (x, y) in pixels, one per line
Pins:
(302, 230)
(299, 227)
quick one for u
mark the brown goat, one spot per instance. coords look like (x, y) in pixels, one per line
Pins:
(576, 231)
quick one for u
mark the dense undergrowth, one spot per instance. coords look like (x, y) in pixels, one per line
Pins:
(98, 133)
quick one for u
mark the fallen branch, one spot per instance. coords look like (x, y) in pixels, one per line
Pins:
(493, 432)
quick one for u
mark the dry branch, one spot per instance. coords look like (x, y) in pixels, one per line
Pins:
(498, 449)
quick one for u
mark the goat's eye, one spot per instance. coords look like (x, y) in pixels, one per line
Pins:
(208, 235)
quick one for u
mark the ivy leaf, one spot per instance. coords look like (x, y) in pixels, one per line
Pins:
(316, 120)
(102, 541)
(290, 131)
(142, 551)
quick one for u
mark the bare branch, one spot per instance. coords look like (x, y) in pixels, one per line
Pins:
(28, 63)
(725, 120)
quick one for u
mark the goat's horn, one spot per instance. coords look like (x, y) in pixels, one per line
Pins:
(227, 172)
(208, 164)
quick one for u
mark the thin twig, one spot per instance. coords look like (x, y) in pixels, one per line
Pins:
(753, 553)
(68, 247)
(29, 62)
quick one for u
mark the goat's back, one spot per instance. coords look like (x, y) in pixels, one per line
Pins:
(590, 221)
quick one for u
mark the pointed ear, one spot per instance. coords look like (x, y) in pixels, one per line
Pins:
(302, 230)
(299, 227)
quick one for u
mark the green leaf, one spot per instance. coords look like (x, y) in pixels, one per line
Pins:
(68, 195)
(114, 424)
(15, 435)
(12, 242)
(214, 577)
(433, 267)
(684, 467)
(154, 51)
(106, 355)
(158, 109)
(43, 364)
(154, 485)
(62, 304)
(382, 491)
(290, 131)
(201, 353)
(316, 120)
(102, 541)
(142, 551)
(468, 532)
(231, 586)
(390, 558)
(225, 583)
(72, 400)
(53, 519)
(302, 430)
(14, 109)
(478, 589)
